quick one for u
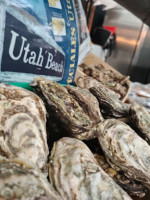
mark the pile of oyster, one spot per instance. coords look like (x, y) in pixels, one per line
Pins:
(70, 143)
(93, 75)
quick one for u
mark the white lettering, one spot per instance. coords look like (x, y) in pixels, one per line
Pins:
(49, 61)
(25, 59)
(12, 46)
(40, 58)
(32, 58)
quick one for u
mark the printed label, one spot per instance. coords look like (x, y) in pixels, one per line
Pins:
(26, 52)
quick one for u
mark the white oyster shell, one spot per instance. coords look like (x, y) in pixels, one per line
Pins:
(22, 126)
(75, 174)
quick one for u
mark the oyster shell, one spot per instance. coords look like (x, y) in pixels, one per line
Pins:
(22, 126)
(62, 107)
(132, 187)
(126, 150)
(18, 181)
(110, 105)
(87, 101)
(75, 174)
(86, 82)
(141, 120)
(112, 79)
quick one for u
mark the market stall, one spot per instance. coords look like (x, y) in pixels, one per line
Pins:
(70, 125)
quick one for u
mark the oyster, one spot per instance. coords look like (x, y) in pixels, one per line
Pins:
(132, 187)
(86, 82)
(75, 174)
(126, 150)
(62, 107)
(141, 120)
(110, 78)
(22, 126)
(87, 101)
(110, 105)
(18, 181)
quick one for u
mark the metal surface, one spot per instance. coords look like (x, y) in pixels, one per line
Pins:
(131, 55)
(128, 31)
(140, 8)
(140, 66)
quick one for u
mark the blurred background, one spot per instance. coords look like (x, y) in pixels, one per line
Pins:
(121, 37)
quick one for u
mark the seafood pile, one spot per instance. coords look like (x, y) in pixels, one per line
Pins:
(94, 72)
(116, 82)
(70, 143)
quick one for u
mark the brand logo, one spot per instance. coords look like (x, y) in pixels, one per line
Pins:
(25, 51)
(31, 57)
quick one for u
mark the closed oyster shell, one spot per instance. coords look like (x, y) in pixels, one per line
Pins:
(19, 181)
(68, 115)
(75, 174)
(110, 78)
(86, 82)
(126, 150)
(87, 101)
(132, 187)
(110, 105)
(22, 126)
(141, 120)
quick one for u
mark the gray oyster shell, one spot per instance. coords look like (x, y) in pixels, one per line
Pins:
(132, 187)
(62, 107)
(20, 182)
(126, 150)
(141, 120)
(111, 79)
(23, 126)
(88, 102)
(75, 174)
(110, 105)
(86, 82)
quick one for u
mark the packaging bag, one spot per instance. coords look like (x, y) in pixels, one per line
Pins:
(84, 36)
(38, 37)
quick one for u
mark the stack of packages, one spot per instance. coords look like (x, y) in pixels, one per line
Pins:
(65, 142)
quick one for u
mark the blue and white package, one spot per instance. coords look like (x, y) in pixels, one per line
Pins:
(38, 37)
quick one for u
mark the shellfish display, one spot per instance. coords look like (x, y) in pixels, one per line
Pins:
(22, 126)
(88, 102)
(75, 174)
(110, 105)
(66, 111)
(141, 119)
(111, 161)
(126, 150)
(19, 181)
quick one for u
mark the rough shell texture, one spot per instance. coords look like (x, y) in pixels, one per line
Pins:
(75, 173)
(20, 182)
(132, 187)
(113, 80)
(126, 150)
(141, 120)
(110, 105)
(67, 113)
(22, 126)
(86, 82)
(87, 101)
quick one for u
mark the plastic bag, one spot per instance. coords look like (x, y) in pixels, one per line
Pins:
(38, 38)
(84, 36)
